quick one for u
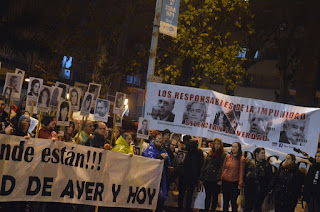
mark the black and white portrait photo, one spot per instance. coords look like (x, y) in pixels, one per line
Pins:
(63, 114)
(294, 132)
(15, 81)
(118, 122)
(143, 128)
(101, 110)
(94, 89)
(75, 95)
(65, 89)
(44, 98)
(119, 103)
(163, 109)
(19, 71)
(194, 112)
(55, 97)
(181, 156)
(259, 124)
(86, 104)
(82, 86)
(34, 88)
(228, 119)
(7, 92)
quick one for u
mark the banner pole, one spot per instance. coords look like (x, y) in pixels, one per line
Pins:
(141, 142)
(153, 46)
(10, 105)
(113, 128)
(78, 137)
(39, 124)
(32, 104)
(97, 209)
(200, 142)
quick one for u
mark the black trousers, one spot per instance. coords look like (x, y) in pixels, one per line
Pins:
(183, 188)
(212, 191)
(230, 193)
(254, 198)
(314, 204)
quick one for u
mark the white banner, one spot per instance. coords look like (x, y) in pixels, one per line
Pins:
(43, 170)
(211, 114)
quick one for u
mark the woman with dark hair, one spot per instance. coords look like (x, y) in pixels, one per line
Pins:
(211, 174)
(34, 90)
(232, 177)
(258, 174)
(64, 111)
(312, 185)
(68, 132)
(287, 184)
(44, 98)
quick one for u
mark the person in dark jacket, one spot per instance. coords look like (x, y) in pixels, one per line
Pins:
(190, 173)
(287, 184)
(156, 150)
(23, 126)
(311, 192)
(258, 174)
(99, 139)
(211, 174)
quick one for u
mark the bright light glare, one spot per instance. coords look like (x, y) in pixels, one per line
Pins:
(27, 80)
(126, 102)
(68, 96)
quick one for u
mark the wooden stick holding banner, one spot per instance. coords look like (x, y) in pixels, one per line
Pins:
(32, 104)
(141, 142)
(200, 142)
(113, 127)
(81, 125)
(10, 106)
(39, 124)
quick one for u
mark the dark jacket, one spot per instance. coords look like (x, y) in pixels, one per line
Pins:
(258, 175)
(153, 152)
(3, 121)
(97, 141)
(212, 168)
(312, 183)
(287, 184)
(192, 165)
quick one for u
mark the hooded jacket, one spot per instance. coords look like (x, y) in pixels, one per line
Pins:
(312, 184)
(153, 152)
(122, 146)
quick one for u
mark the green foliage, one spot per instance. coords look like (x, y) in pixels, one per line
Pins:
(207, 44)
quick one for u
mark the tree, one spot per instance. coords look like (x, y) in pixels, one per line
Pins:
(207, 44)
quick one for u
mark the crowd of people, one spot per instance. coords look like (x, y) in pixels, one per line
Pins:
(217, 170)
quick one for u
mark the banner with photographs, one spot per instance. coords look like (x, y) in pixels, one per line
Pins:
(211, 114)
(143, 128)
(44, 98)
(63, 114)
(101, 110)
(15, 82)
(45, 171)
(75, 95)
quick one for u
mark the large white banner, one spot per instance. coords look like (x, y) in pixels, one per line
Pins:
(210, 114)
(43, 170)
